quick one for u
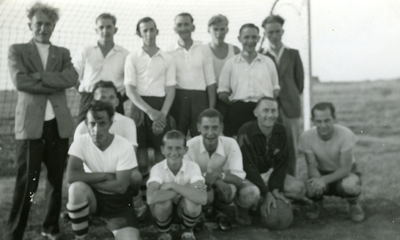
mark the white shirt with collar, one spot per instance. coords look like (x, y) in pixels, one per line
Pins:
(276, 56)
(92, 67)
(188, 174)
(194, 67)
(226, 158)
(122, 126)
(150, 75)
(248, 82)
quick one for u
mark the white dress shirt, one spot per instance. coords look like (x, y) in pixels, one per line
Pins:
(150, 75)
(92, 67)
(194, 67)
(248, 82)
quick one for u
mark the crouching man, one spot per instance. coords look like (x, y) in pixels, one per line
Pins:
(175, 183)
(99, 171)
(328, 148)
(221, 163)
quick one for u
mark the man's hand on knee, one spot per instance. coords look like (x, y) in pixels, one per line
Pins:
(317, 185)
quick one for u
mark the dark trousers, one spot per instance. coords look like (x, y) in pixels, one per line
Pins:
(238, 114)
(187, 106)
(52, 151)
(87, 97)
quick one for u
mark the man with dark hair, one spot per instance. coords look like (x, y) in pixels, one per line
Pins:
(40, 72)
(291, 80)
(221, 163)
(175, 183)
(103, 61)
(245, 79)
(264, 147)
(195, 77)
(328, 148)
(150, 85)
(99, 171)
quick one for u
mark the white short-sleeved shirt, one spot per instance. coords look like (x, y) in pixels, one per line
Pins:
(194, 67)
(122, 126)
(92, 67)
(150, 75)
(188, 174)
(327, 153)
(248, 82)
(226, 158)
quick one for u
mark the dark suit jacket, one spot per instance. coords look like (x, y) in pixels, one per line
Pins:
(291, 81)
(24, 60)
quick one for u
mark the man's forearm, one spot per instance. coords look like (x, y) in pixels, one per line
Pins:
(233, 179)
(212, 95)
(169, 99)
(193, 194)
(134, 96)
(336, 175)
(113, 186)
(85, 177)
(224, 97)
(159, 196)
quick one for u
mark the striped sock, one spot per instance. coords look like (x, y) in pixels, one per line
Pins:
(188, 221)
(164, 227)
(79, 214)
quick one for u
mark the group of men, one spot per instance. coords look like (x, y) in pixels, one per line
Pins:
(240, 108)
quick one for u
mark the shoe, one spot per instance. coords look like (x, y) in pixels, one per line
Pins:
(242, 215)
(223, 222)
(188, 235)
(198, 226)
(314, 210)
(356, 212)
(165, 236)
(140, 211)
(51, 236)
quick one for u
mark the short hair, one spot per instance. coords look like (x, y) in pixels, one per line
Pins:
(104, 84)
(144, 20)
(218, 19)
(265, 98)
(185, 14)
(273, 19)
(98, 106)
(249, 25)
(51, 12)
(107, 16)
(174, 134)
(322, 106)
(210, 113)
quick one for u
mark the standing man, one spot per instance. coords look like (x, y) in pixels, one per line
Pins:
(265, 155)
(291, 80)
(103, 61)
(99, 170)
(328, 148)
(150, 85)
(245, 79)
(221, 163)
(220, 51)
(196, 86)
(43, 123)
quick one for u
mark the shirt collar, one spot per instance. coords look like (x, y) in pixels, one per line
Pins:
(115, 48)
(239, 58)
(183, 167)
(195, 44)
(273, 53)
(255, 129)
(141, 52)
(219, 150)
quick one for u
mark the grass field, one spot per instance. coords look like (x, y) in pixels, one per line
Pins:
(370, 109)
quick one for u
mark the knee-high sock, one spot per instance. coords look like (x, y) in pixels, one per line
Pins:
(164, 226)
(79, 214)
(188, 221)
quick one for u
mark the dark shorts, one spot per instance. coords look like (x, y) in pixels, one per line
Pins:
(335, 188)
(222, 107)
(116, 210)
(145, 136)
(239, 113)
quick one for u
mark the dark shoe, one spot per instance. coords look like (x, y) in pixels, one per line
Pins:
(242, 215)
(356, 213)
(198, 226)
(314, 210)
(51, 236)
(223, 221)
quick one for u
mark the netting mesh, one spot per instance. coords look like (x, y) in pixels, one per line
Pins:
(75, 29)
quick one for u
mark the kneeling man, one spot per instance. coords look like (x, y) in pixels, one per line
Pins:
(328, 148)
(265, 155)
(99, 172)
(175, 183)
(221, 163)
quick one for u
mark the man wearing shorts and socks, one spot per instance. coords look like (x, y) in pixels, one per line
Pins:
(122, 126)
(99, 171)
(328, 148)
(150, 85)
(220, 51)
(291, 80)
(103, 61)
(176, 184)
(265, 154)
(245, 79)
(221, 163)
(196, 86)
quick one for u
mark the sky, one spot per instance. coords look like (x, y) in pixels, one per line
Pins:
(355, 40)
